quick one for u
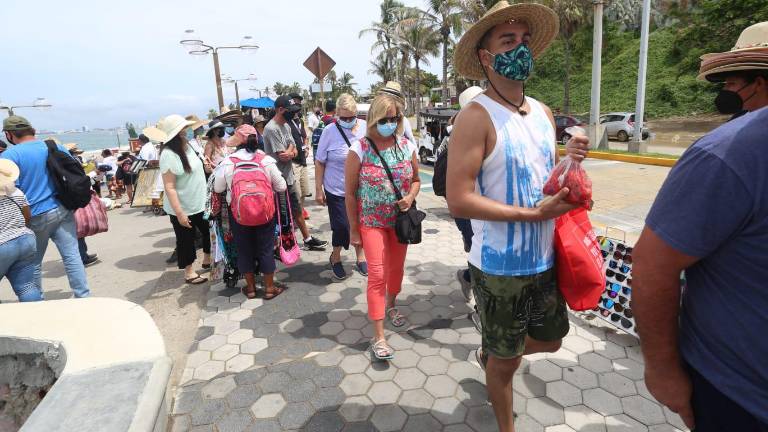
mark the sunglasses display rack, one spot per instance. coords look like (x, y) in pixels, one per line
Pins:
(615, 305)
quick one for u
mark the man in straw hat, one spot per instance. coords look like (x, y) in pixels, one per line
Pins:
(504, 143)
(50, 219)
(705, 358)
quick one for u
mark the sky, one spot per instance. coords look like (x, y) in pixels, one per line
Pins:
(103, 63)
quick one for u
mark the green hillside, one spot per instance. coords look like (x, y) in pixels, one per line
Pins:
(669, 91)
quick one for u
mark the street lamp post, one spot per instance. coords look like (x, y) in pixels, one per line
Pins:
(198, 47)
(227, 79)
(39, 103)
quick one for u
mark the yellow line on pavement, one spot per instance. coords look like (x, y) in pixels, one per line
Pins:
(636, 159)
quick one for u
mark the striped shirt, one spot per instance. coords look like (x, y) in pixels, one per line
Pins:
(514, 174)
(12, 224)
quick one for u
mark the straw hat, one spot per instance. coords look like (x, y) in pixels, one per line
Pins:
(467, 95)
(259, 119)
(197, 122)
(9, 173)
(167, 128)
(542, 21)
(749, 53)
(72, 148)
(392, 88)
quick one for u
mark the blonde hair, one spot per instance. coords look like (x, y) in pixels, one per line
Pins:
(346, 102)
(378, 110)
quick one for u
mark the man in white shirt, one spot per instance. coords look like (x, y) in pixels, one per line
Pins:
(313, 120)
(148, 151)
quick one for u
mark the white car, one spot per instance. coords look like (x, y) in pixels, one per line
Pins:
(621, 126)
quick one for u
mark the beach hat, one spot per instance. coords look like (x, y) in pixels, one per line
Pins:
(197, 122)
(16, 123)
(72, 148)
(241, 135)
(467, 95)
(392, 88)
(214, 124)
(543, 22)
(749, 53)
(9, 173)
(167, 128)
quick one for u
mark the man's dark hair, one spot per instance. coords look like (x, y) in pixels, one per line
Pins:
(106, 153)
(330, 106)
(143, 138)
(19, 134)
(3, 145)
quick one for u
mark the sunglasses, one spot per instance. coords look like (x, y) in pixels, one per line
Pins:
(605, 313)
(348, 119)
(619, 277)
(608, 303)
(626, 257)
(386, 120)
(622, 248)
(626, 291)
(624, 322)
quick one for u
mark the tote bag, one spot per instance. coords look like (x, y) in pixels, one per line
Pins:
(91, 219)
(580, 273)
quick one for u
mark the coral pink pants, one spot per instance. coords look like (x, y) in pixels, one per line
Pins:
(386, 262)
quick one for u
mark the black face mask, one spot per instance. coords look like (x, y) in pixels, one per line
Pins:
(729, 102)
(288, 115)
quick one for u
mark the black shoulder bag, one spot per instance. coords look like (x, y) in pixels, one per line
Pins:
(343, 135)
(408, 223)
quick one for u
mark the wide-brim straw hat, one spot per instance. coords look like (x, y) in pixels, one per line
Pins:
(749, 53)
(542, 21)
(72, 148)
(9, 173)
(167, 128)
(197, 122)
(259, 119)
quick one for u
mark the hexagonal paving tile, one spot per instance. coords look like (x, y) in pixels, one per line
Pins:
(338, 315)
(381, 371)
(329, 358)
(580, 377)
(640, 408)
(559, 428)
(433, 365)
(528, 423)
(299, 391)
(546, 371)
(331, 328)
(217, 301)
(239, 336)
(529, 385)
(234, 420)
(603, 402)
(583, 419)
(212, 342)
(388, 418)
(355, 384)
(382, 393)
(243, 396)
(268, 406)
(563, 393)
(595, 362)
(239, 315)
(577, 344)
(197, 358)
(405, 359)
(208, 370)
(421, 423)
(400, 343)
(239, 363)
(356, 322)
(481, 418)
(449, 411)
(416, 401)
(225, 352)
(219, 388)
(563, 358)
(349, 337)
(409, 379)
(295, 415)
(356, 409)
(629, 368)
(617, 384)
(609, 350)
(253, 346)
(227, 328)
(545, 411)
(440, 386)
(623, 423)
(461, 371)
(275, 382)
(355, 364)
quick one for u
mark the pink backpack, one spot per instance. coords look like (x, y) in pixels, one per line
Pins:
(253, 202)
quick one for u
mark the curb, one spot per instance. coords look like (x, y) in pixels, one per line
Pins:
(643, 160)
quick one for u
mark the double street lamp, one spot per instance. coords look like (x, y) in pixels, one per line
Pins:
(230, 80)
(197, 47)
(39, 103)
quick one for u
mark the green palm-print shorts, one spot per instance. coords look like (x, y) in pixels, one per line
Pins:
(513, 307)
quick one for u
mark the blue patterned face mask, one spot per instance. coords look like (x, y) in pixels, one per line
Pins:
(515, 64)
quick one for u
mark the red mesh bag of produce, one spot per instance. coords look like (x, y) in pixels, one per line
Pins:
(569, 173)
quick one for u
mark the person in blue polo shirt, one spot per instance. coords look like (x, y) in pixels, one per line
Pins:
(50, 220)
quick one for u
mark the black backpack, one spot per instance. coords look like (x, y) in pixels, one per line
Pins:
(317, 133)
(440, 170)
(69, 179)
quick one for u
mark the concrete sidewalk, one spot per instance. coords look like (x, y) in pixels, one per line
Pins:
(300, 362)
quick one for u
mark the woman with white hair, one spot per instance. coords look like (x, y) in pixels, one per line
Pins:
(331, 156)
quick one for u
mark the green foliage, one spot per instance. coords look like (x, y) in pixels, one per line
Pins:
(212, 113)
(131, 130)
(668, 91)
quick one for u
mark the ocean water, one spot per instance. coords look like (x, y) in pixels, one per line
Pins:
(92, 141)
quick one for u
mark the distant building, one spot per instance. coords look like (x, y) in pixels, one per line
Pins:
(86, 129)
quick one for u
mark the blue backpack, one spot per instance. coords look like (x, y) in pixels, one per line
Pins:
(317, 133)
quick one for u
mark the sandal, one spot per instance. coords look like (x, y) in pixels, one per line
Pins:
(247, 293)
(197, 280)
(481, 357)
(395, 317)
(382, 351)
(269, 294)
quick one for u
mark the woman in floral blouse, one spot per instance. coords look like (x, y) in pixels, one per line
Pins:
(373, 210)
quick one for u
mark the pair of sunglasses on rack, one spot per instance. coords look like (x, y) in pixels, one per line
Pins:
(624, 268)
(615, 317)
(614, 287)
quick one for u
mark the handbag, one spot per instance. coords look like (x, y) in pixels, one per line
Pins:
(92, 219)
(580, 274)
(407, 223)
(287, 245)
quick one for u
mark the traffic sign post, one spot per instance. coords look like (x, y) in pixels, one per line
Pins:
(320, 63)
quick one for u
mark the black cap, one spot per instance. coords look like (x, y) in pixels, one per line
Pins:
(296, 96)
(287, 103)
(330, 106)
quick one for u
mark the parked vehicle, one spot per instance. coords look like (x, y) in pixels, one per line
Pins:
(562, 122)
(621, 125)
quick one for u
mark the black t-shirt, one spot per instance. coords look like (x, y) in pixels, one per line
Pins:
(299, 136)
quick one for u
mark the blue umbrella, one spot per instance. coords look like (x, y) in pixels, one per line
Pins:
(262, 102)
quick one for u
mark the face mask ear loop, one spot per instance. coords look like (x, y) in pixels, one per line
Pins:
(517, 107)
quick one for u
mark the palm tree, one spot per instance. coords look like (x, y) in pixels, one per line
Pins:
(446, 17)
(385, 31)
(346, 85)
(212, 113)
(572, 13)
(420, 41)
(380, 67)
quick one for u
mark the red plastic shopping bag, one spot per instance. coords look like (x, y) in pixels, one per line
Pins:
(569, 173)
(580, 273)
(91, 219)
